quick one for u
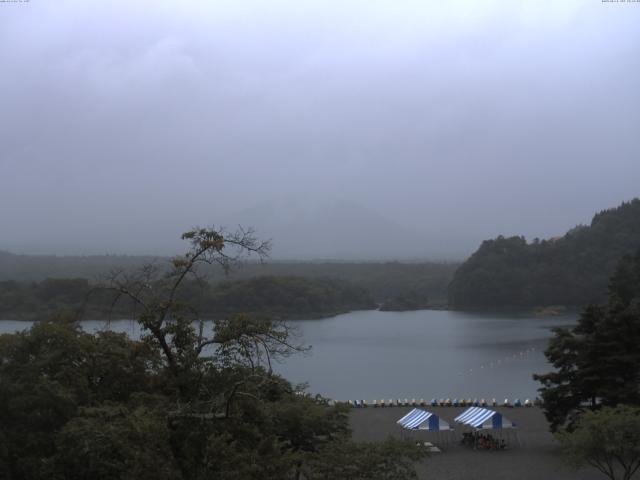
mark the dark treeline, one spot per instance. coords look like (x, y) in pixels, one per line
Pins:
(410, 300)
(72, 296)
(279, 297)
(40, 267)
(572, 270)
(384, 281)
(286, 296)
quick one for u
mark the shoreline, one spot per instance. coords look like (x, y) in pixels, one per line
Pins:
(541, 312)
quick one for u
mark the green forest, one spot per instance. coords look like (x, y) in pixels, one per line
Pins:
(383, 280)
(35, 286)
(572, 270)
(277, 297)
(286, 296)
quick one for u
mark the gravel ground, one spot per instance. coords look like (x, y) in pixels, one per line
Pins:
(536, 458)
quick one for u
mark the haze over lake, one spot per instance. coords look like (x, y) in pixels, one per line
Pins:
(420, 354)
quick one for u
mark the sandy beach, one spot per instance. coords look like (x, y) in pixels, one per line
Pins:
(536, 458)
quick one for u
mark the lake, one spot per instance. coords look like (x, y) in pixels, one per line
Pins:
(420, 354)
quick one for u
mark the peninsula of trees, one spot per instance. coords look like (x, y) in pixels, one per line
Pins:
(572, 270)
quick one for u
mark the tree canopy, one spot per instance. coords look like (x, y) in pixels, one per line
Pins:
(571, 270)
(383, 280)
(279, 297)
(183, 402)
(597, 362)
(608, 440)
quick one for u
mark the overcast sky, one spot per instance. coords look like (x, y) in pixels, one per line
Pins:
(122, 124)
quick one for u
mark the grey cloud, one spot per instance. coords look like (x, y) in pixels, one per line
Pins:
(125, 123)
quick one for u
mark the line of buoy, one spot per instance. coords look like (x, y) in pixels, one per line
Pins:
(502, 361)
(443, 403)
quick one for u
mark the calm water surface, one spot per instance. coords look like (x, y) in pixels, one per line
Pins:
(422, 354)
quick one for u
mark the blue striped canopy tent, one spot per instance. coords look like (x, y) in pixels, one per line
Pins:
(484, 419)
(418, 419)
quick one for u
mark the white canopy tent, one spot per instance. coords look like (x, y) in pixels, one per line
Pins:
(484, 419)
(480, 419)
(421, 420)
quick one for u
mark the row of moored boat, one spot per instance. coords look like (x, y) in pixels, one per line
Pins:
(442, 403)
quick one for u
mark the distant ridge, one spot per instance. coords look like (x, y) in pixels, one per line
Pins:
(572, 270)
(38, 267)
(331, 229)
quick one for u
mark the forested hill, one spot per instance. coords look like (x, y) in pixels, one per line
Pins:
(572, 270)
